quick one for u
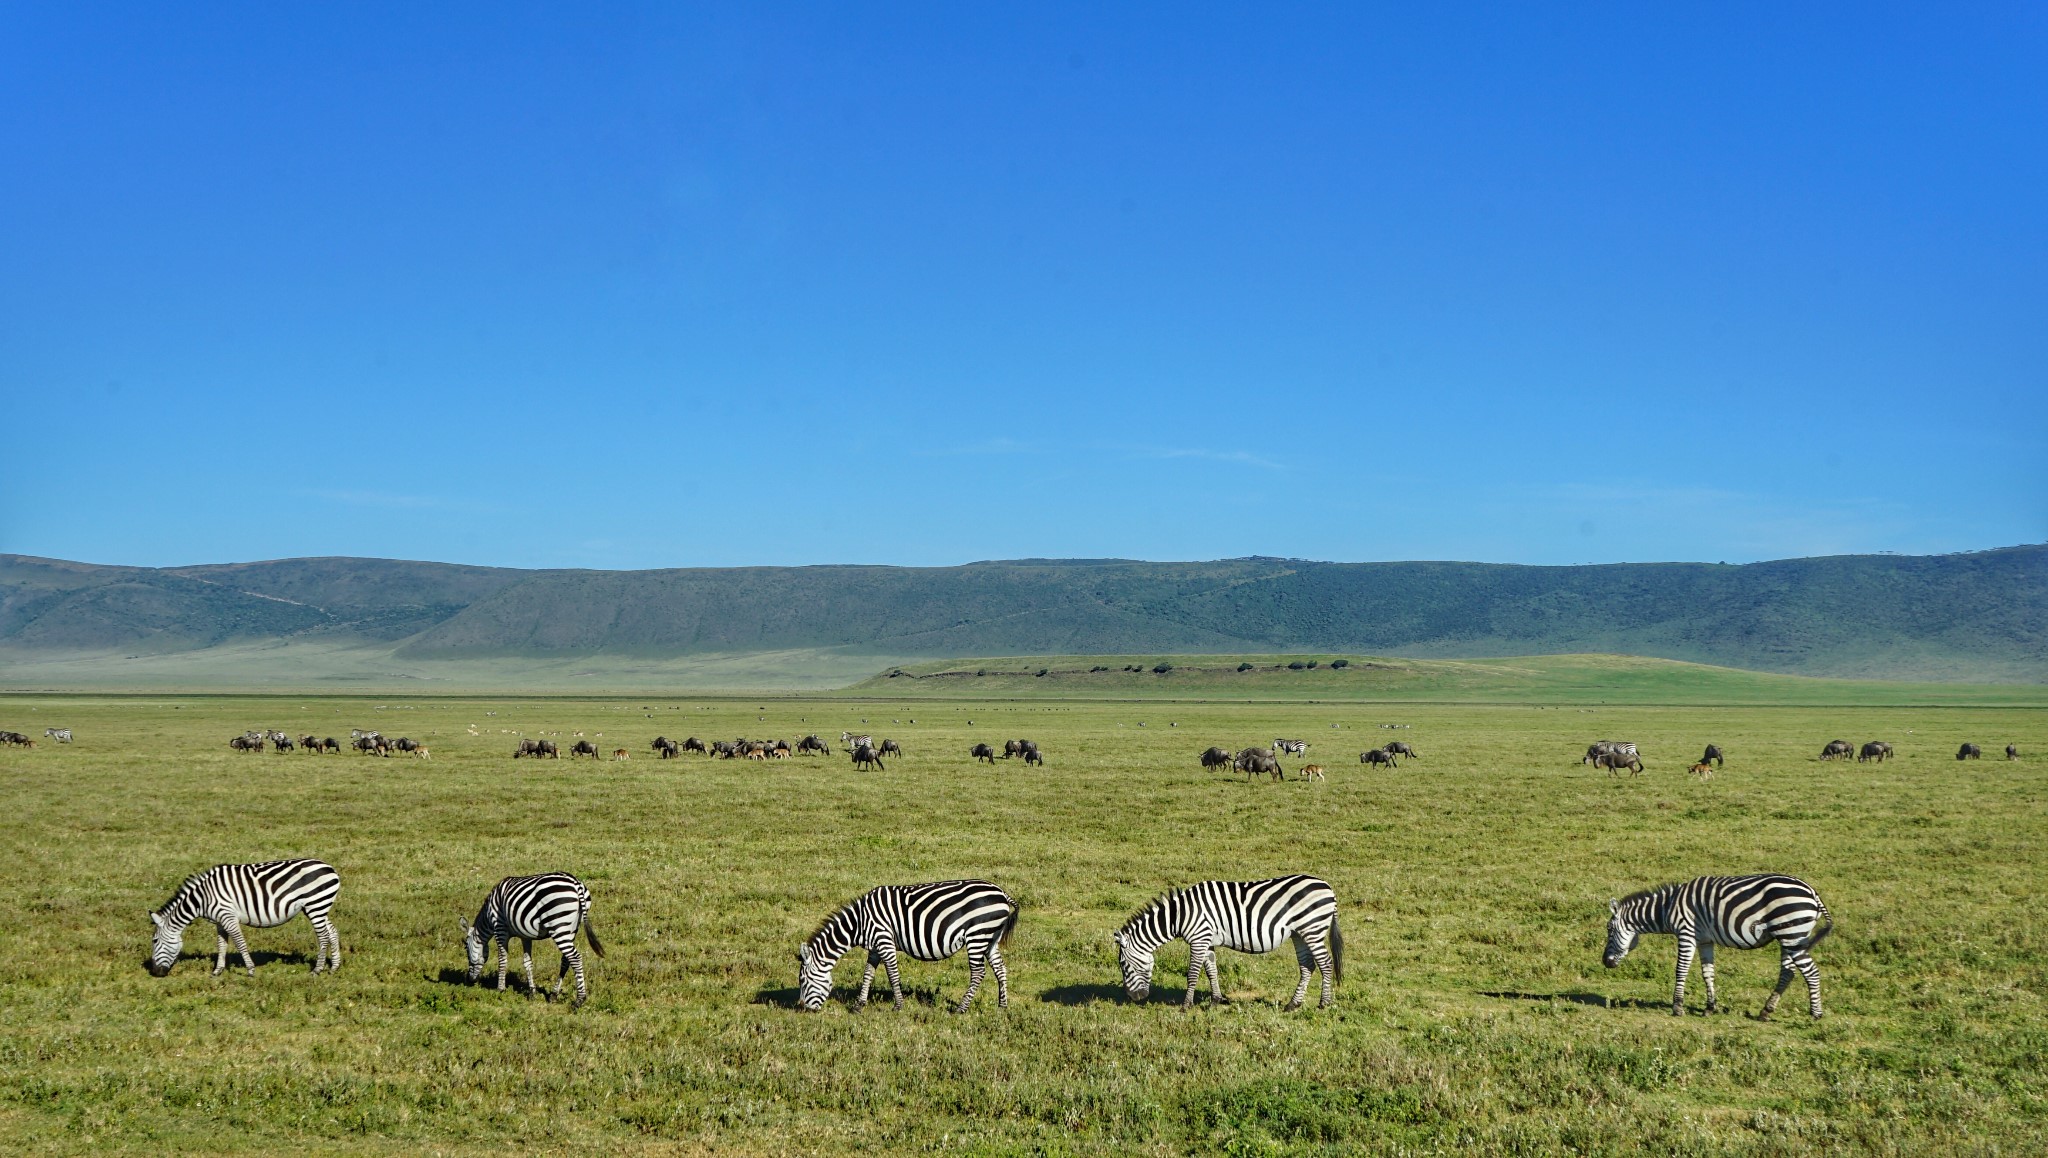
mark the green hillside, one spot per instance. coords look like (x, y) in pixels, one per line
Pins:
(1981, 616)
(1549, 679)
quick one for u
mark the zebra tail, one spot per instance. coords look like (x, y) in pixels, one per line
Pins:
(590, 935)
(1009, 926)
(1336, 949)
(1825, 929)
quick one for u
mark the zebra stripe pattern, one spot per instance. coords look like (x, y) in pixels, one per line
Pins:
(1739, 912)
(551, 905)
(260, 895)
(1292, 747)
(930, 922)
(1249, 916)
(61, 735)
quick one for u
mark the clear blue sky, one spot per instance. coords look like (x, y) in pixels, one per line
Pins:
(880, 283)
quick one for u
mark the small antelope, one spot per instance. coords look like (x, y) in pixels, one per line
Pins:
(1703, 770)
(421, 753)
(620, 754)
(1312, 772)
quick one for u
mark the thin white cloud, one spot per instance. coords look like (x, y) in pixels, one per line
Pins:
(1242, 457)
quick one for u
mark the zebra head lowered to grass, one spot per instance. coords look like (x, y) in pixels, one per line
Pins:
(1739, 912)
(551, 905)
(1249, 916)
(930, 922)
(261, 895)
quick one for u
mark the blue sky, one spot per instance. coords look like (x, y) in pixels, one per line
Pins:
(663, 286)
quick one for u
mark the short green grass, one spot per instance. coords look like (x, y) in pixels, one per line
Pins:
(1473, 1014)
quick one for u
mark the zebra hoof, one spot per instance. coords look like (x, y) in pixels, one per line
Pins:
(1290, 1007)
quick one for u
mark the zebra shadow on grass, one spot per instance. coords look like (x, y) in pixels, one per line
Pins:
(843, 995)
(259, 957)
(1579, 997)
(1090, 994)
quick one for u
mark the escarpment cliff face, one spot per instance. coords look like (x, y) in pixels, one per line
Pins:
(1975, 616)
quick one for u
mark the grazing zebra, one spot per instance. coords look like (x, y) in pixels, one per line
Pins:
(1249, 916)
(1292, 747)
(1622, 748)
(61, 735)
(853, 741)
(930, 922)
(263, 895)
(1739, 912)
(551, 905)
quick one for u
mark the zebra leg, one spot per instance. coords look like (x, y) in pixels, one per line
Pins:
(977, 968)
(1306, 958)
(867, 978)
(895, 977)
(571, 959)
(526, 957)
(1803, 961)
(1215, 986)
(1707, 974)
(234, 931)
(1685, 952)
(322, 932)
(220, 961)
(995, 961)
(1196, 952)
(504, 960)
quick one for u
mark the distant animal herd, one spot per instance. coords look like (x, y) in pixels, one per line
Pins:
(934, 921)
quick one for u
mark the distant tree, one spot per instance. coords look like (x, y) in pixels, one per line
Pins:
(1244, 667)
(1041, 671)
(1297, 665)
(1340, 663)
(1312, 663)
(981, 671)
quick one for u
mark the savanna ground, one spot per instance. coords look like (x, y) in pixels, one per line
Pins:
(1473, 1015)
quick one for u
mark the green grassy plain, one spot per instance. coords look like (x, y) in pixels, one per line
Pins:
(1473, 1015)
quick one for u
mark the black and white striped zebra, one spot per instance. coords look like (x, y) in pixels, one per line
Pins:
(61, 735)
(853, 741)
(260, 895)
(1292, 747)
(551, 905)
(1249, 916)
(1625, 750)
(1739, 912)
(930, 922)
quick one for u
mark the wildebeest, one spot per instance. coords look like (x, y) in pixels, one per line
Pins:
(668, 748)
(246, 744)
(983, 752)
(1713, 754)
(1617, 759)
(310, 743)
(1031, 756)
(526, 748)
(1215, 758)
(812, 743)
(1838, 750)
(1015, 747)
(330, 744)
(1876, 750)
(864, 755)
(583, 748)
(693, 744)
(1258, 761)
(371, 744)
(2012, 752)
(1969, 752)
(890, 748)
(1378, 756)
(404, 744)
(1595, 750)
(1402, 748)
(1291, 747)
(283, 744)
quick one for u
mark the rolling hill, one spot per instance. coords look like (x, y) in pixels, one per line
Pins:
(1979, 616)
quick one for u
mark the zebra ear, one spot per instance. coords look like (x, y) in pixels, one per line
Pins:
(156, 918)
(1614, 905)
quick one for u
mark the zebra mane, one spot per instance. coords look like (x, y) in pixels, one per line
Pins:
(1644, 894)
(191, 883)
(1150, 907)
(825, 924)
